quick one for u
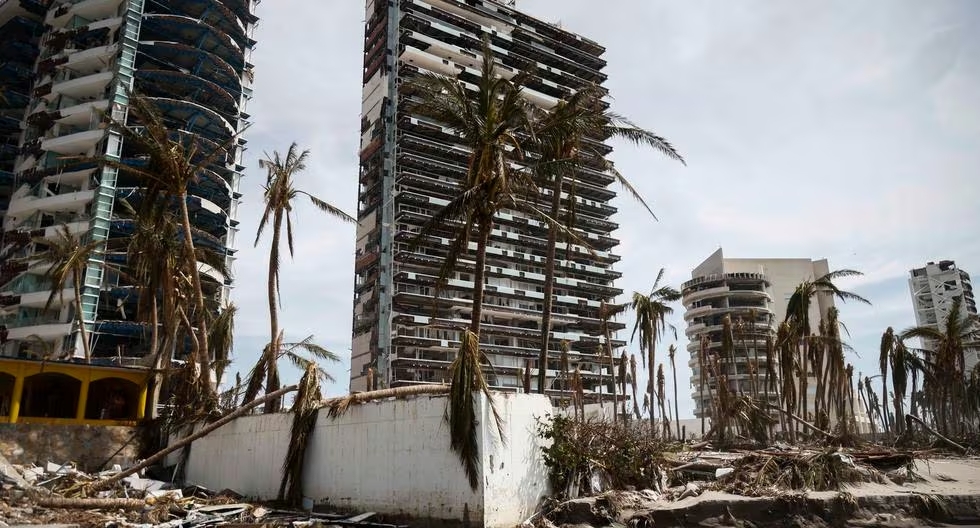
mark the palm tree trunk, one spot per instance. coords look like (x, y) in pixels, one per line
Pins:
(155, 353)
(549, 283)
(677, 413)
(82, 333)
(612, 366)
(271, 379)
(884, 400)
(478, 278)
(109, 482)
(651, 383)
(204, 350)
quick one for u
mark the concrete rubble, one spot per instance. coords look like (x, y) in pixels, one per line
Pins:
(53, 494)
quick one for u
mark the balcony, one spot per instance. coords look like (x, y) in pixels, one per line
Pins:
(83, 86)
(87, 9)
(92, 60)
(77, 141)
(24, 206)
(44, 329)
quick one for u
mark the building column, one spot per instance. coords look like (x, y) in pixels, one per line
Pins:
(15, 398)
(82, 401)
(141, 406)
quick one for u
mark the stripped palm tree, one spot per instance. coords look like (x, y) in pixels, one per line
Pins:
(798, 317)
(634, 381)
(564, 139)
(607, 312)
(943, 356)
(67, 257)
(671, 352)
(280, 195)
(651, 321)
(173, 163)
(489, 124)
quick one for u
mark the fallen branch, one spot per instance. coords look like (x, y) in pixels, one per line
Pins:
(909, 417)
(108, 482)
(90, 504)
(805, 423)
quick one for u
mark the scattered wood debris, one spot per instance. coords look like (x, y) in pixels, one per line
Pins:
(55, 494)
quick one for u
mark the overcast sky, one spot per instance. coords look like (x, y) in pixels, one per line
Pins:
(826, 129)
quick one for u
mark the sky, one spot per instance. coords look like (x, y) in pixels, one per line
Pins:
(823, 129)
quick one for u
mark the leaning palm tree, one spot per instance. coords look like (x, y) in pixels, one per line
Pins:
(174, 161)
(651, 321)
(893, 353)
(561, 136)
(280, 194)
(945, 383)
(68, 256)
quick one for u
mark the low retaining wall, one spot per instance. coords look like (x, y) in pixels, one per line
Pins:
(88, 446)
(390, 457)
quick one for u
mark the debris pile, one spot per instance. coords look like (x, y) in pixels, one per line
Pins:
(58, 494)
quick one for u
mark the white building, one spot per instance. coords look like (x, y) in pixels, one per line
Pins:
(754, 293)
(934, 288)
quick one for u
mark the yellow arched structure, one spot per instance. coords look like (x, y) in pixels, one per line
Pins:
(58, 392)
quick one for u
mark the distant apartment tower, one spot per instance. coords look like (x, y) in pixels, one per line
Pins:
(73, 66)
(410, 167)
(934, 287)
(754, 293)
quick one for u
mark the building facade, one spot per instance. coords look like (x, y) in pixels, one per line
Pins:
(934, 287)
(411, 166)
(191, 60)
(753, 294)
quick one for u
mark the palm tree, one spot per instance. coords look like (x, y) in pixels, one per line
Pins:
(280, 194)
(945, 383)
(798, 316)
(489, 124)
(671, 352)
(607, 312)
(68, 257)
(560, 136)
(893, 353)
(651, 321)
(174, 163)
(300, 354)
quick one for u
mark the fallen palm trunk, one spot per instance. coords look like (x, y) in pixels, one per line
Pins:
(108, 482)
(909, 418)
(92, 504)
(805, 423)
(338, 406)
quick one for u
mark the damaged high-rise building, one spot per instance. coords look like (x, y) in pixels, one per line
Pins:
(69, 66)
(411, 166)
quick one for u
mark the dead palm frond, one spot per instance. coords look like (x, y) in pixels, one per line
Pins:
(467, 380)
(305, 409)
(68, 256)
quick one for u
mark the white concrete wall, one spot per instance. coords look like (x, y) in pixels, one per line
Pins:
(245, 456)
(391, 457)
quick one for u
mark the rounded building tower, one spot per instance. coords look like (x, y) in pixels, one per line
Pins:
(708, 301)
